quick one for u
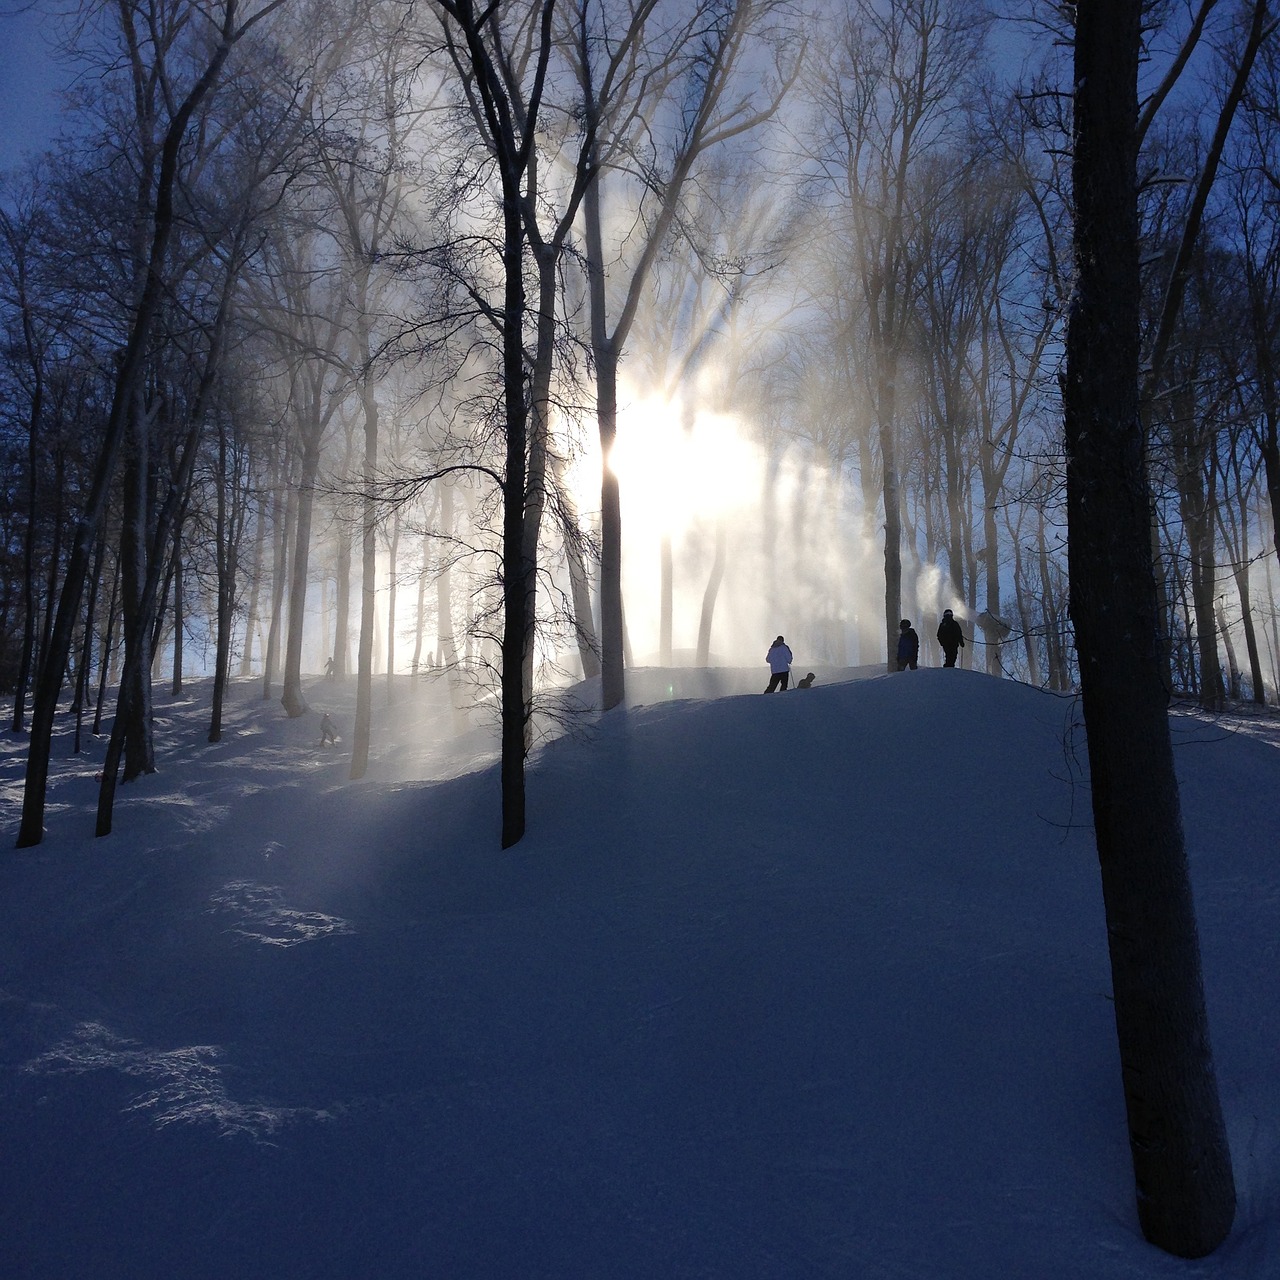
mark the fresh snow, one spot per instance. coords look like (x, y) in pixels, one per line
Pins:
(807, 985)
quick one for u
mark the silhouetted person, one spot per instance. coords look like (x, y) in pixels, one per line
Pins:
(806, 683)
(328, 669)
(950, 637)
(327, 734)
(779, 660)
(908, 646)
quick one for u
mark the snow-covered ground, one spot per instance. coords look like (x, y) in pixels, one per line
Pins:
(812, 985)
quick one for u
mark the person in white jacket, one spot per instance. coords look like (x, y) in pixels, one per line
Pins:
(779, 660)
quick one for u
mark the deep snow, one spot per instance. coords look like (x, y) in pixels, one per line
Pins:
(811, 985)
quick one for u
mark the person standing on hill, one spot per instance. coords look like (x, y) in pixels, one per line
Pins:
(950, 637)
(908, 646)
(779, 660)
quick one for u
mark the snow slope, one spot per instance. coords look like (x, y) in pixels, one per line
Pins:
(812, 985)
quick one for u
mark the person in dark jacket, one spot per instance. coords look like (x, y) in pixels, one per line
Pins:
(908, 646)
(950, 637)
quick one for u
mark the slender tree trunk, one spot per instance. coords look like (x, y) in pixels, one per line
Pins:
(29, 596)
(292, 698)
(108, 632)
(892, 496)
(446, 643)
(605, 350)
(709, 596)
(284, 508)
(342, 618)
(54, 658)
(1182, 1167)
(179, 620)
(391, 602)
(226, 552)
(1241, 573)
(579, 586)
(255, 591)
(86, 652)
(133, 707)
(1233, 668)
(368, 592)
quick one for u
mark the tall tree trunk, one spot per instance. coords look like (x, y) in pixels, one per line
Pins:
(892, 496)
(29, 594)
(342, 618)
(368, 588)
(229, 518)
(1182, 1166)
(154, 287)
(517, 572)
(391, 602)
(447, 647)
(579, 586)
(284, 508)
(1241, 573)
(108, 632)
(605, 350)
(133, 708)
(709, 596)
(255, 591)
(291, 697)
(1194, 502)
(179, 620)
(86, 651)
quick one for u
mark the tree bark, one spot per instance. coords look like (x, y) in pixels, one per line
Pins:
(1182, 1166)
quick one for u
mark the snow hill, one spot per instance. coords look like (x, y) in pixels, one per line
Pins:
(812, 985)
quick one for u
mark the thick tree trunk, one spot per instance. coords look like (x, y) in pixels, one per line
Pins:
(1185, 1192)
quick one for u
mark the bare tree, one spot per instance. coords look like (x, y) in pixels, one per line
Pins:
(1186, 1196)
(891, 90)
(223, 28)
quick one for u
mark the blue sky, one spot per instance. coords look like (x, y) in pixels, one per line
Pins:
(29, 80)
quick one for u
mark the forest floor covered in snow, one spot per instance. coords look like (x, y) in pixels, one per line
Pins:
(812, 985)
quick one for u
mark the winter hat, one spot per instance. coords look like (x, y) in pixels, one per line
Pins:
(904, 624)
(946, 613)
(779, 640)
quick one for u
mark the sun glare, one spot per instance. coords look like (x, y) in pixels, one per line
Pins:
(671, 475)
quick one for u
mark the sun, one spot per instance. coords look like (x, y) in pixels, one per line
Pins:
(672, 473)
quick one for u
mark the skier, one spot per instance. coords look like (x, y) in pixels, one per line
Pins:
(908, 646)
(328, 736)
(807, 682)
(779, 660)
(950, 637)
